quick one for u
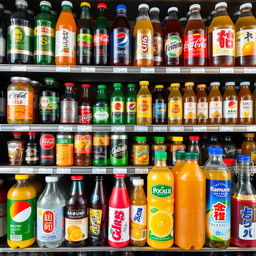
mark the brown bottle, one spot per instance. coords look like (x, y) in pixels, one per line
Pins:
(189, 104)
(249, 144)
(202, 104)
(83, 149)
(215, 104)
(85, 105)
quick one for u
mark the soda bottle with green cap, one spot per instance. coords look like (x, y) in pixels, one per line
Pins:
(117, 100)
(131, 104)
(101, 106)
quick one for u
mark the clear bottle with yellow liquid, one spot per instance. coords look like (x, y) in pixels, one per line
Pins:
(175, 110)
(21, 213)
(138, 201)
(144, 104)
(160, 192)
(189, 104)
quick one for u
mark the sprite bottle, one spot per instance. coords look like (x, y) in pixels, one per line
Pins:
(131, 104)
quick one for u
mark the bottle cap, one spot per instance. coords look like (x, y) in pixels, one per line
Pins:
(101, 86)
(215, 84)
(245, 83)
(101, 6)
(67, 3)
(244, 158)
(49, 79)
(141, 139)
(154, 9)
(221, 4)
(21, 176)
(194, 6)
(120, 175)
(172, 9)
(230, 84)
(46, 3)
(191, 155)
(194, 138)
(21, 2)
(117, 85)
(121, 6)
(22, 79)
(131, 85)
(158, 139)
(175, 84)
(32, 133)
(144, 82)
(17, 133)
(138, 182)
(180, 155)
(85, 85)
(189, 84)
(201, 86)
(249, 135)
(161, 155)
(159, 86)
(51, 178)
(215, 151)
(245, 5)
(175, 138)
(77, 177)
(69, 84)
(229, 161)
(85, 4)
(143, 6)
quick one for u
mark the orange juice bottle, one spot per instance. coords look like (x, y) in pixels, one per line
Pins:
(202, 109)
(65, 51)
(215, 104)
(160, 204)
(138, 201)
(190, 205)
(143, 38)
(21, 213)
(189, 104)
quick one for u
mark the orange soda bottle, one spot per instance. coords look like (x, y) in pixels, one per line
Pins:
(189, 104)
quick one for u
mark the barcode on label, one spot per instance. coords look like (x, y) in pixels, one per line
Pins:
(16, 237)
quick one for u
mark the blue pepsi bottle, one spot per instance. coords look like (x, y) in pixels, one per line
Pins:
(120, 39)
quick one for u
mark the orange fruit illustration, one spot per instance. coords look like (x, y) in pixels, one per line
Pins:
(249, 48)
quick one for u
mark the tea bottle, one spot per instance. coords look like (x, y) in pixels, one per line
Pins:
(215, 104)
(189, 103)
(202, 104)
(175, 106)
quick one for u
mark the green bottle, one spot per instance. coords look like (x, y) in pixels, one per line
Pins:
(44, 36)
(101, 106)
(117, 105)
(131, 104)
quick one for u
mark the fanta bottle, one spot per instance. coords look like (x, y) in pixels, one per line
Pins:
(138, 214)
(160, 204)
(21, 217)
(119, 214)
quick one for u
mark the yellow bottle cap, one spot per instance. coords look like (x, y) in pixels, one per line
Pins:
(175, 85)
(144, 82)
(159, 86)
(189, 84)
(201, 86)
(85, 4)
(21, 177)
(249, 135)
(177, 138)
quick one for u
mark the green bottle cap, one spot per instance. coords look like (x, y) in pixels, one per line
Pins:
(101, 86)
(161, 155)
(117, 85)
(158, 139)
(131, 85)
(141, 139)
(180, 155)
(49, 79)
(191, 155)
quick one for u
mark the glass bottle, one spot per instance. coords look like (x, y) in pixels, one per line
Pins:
(229, 148)
(189, 104)
(202, 109)
(159, 105)
(31, 150)
(175, 105)
(195, 147)
(140, 152)
(215, 104)
(249, 144)
(85, 105)
(176, 146)
(131, 104)
(157, 146)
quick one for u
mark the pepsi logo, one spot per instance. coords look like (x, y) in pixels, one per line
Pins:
(122, 39)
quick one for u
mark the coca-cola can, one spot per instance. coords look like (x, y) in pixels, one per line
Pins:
(47, 149)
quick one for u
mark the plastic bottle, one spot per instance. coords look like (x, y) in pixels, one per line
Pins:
(140, 151)
(190, 205)
(175, 105)
(3, 201)
(119, 214)
(218, 194)
(176, 146)
(160, 193)
(215, 104)
(159, 105)
(44, 35)
(50, 215)
(138, 214)
(121, 39)
(189, 104)
(157, 146)
(195, 147)
(65, 47)
(246, 37)
(202, 109)
(195, 39)
(180, 161)
(117, 103)
(131, 104)
(143, 38)
(21, 214)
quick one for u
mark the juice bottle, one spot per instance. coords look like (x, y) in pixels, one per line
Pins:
(230, 104)
(246, 37)
(245, 104)
(215, 104)
(175, 106)
(143, 38)
(65, 47)
(180, 161)
(21, 213)
(144, 104)
(244, 206)
(157, 146)
(221, 38)
(159, 105)
(190, 205)
(138, 216)
(202, 108)
(189, 104)
(160, 192)
(249, 144)
(218, 199)
(176, 146)
(140, 151)
(3, 201)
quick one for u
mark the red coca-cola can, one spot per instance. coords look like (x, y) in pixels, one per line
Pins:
(47, 149)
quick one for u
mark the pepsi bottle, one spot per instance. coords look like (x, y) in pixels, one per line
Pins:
(120, 39)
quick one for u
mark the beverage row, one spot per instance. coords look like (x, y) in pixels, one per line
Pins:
(27, 103)
(147, 44)
(129, 217)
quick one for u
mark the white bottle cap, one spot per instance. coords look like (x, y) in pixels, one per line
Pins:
(21, 2)
(245, 83)
(230, 84)
(51, 178)
(246, 5)
(143, 6)
(138, 182)
(221, 4)
(215, 84)
(171, 9)
(194, 6)
(133, 178)
(45, 3)
(154, 9)
(67, 3)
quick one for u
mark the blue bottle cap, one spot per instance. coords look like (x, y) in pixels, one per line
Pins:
(210, 150)
(121, 6)
(215, 151)
(244, 158)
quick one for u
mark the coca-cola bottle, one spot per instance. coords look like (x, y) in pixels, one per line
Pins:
(195, 39)
(47, 149)
(85, 105)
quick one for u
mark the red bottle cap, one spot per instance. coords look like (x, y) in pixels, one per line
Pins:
(32, 133)
(77, 177)
(69, 84)
(101, 5)
(17, 133)
(86, 85)
(119, 175)
(229, 161)
(195, 138)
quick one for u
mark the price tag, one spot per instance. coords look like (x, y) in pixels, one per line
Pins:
(99, 170)
(226, 129)
(22, 128)
(119, 170)
(226, 70)
(159, 128)
(140, 128)
(84, 128)
(251, 128)
(141, 170)
(22, 68)
(64, 128)
(117, 128)
(172, 70)
(63, 170)
(176, 129)
(119, 70)
(26, 170)
(199, 129)
(147, 70)
(250, 70)
(62, 69)
(197, 70)
(88, 69)
(45, 170)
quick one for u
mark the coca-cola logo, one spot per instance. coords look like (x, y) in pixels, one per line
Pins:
(195, 43)
(101, 39)
(144, 43)
(17, 95)
(117, 225)
(47, 141)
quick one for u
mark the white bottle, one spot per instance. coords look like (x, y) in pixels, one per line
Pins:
(50, 215)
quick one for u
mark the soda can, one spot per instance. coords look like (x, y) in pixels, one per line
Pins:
(119, 150)
(65, 150)
(100, 149)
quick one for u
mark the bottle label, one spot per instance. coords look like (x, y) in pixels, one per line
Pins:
(95, 222)
(141, 154)
(246, 42)
(175, 110)
(218, 209)
(131, 108)
(44, 40)
(48, 105)
(246, 107)
(83, 144)
(215, 109)
(119, 225)
(223, 42)
(50, 224)
(47, 142)
(138, 222)
(161, 191)
(101, 41)
(144, 46)
(159, 109)
(173, 46)
(175, 151)
(100, 147)
(157, 148)
(2, 106)
(117, 108)
(230, 109)
(20, 40)
(2, 219)
(195, 46)
(65, 43)
(202, 110)
(100, 114)
(158, 48)
(85, 115)
(119, 150)
(31, 154)
(69, 111)
(21, 219)
(144, 105)
(2, 46)
(15, 150)
(190, 110)
(85, 44)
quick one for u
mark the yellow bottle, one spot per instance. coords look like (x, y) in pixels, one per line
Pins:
(144, 104)
(21, 217)
(160, 194)
(138, 201)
